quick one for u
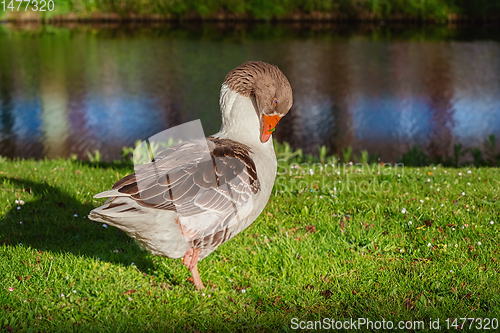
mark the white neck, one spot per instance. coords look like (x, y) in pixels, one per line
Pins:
(240, 120)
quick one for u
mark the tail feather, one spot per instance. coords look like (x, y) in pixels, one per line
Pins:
(154, 229)
(124, 213)
(111, 193)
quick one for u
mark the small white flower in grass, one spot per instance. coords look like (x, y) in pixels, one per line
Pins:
(130, 299)
(453, 229)
(11, 289)
(20, 222)
(456, 245)
(468, 171)
(429, 245)
(448, 186)
(18, 207)
(203, 294)
(451, 271)
(208, 296)
(67, 277)
(491, 222)
(432, 208)
(468, 184)
(311, 172)
(17, 202)
(74, 291)
(478, 243)
(428, 179)
(104, 225)
(243, 291)
(25, 301)
(445, 171)
(62, 295)
(463, 193)
(459, 173)
(76, 215)
(401, 250)
(421, 201)
(442, 205)
(403, 211)
(438, 190)
(434, 168)
(410, 223)
(21, 202)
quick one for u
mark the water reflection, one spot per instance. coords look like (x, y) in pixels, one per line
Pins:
(71, 90)
(6, 117)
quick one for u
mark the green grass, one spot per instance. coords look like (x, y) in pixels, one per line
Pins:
(316, 251)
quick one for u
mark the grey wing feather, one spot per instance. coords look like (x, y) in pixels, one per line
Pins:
(195, 178)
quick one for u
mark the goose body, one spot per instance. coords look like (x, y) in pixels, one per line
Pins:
(199, 194)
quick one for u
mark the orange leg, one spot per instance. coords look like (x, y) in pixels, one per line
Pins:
(191, 262)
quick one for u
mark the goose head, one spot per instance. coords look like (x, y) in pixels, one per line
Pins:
(269, 90)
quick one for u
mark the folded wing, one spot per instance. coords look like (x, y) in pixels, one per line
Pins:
(205, 182)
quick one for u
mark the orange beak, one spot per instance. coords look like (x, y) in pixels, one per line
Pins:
(268, 125)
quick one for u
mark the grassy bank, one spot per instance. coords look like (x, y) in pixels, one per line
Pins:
(432, 10)
(372, 241)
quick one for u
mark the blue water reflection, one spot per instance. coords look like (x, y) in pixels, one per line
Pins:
(74, 90)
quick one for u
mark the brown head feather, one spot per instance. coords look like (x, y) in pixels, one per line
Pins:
(266, 82)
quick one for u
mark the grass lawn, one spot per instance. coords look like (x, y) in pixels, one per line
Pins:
(406, 244)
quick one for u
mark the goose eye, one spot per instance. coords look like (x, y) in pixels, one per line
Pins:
(275, 101)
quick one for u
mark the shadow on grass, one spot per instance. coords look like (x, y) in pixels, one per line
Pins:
(57, 222)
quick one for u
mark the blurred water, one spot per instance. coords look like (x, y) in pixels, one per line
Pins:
(72, 90)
